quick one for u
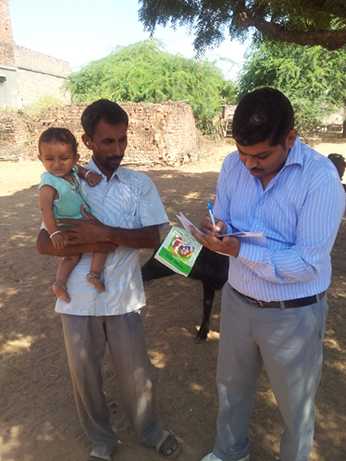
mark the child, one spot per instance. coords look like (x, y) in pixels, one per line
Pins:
(60, 197)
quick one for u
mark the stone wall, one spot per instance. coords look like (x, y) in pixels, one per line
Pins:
(15, 131)
(158, 133)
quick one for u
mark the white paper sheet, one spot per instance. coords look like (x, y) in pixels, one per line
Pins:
(187, 224)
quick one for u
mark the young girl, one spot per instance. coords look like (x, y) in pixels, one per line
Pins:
(60, 197)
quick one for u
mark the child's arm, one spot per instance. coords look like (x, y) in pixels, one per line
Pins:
(91, 177)
(46, 198)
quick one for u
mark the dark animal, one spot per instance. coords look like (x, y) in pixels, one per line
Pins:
(340, 164)
(210, 268)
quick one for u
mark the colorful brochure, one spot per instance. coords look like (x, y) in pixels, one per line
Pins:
(179, 251)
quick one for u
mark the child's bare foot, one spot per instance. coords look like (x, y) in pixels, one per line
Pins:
(94, 279)
(60, 291)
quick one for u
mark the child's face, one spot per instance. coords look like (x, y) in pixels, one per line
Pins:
(58, 158)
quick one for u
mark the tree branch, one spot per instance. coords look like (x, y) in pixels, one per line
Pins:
(329, 39)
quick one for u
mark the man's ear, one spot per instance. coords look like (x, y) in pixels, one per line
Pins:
(86, 141)
(291, 137)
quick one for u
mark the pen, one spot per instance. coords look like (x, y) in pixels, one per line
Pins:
(211, 214)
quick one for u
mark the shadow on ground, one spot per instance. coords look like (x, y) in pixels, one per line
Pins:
(38, 420)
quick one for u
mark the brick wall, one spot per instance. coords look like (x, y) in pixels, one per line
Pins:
(158, 133)
(15, 135)
(6, 39)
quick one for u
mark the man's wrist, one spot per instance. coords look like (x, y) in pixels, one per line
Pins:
(107, 234)
(237, 249)
(234, 247)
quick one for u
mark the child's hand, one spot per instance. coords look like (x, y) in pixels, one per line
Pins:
(92, 178)
(58, 240)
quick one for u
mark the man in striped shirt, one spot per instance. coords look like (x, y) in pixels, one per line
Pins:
(274, 304)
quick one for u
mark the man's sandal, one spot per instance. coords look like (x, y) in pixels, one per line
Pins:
(168, 446)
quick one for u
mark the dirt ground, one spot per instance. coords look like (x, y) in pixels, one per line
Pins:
(38, 421)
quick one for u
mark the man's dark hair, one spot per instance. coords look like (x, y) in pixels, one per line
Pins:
(54, 134)
(103, 109)
(262, 115)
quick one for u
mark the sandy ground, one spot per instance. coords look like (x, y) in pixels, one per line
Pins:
(37, 418)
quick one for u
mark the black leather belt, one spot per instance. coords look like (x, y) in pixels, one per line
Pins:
(291, 303)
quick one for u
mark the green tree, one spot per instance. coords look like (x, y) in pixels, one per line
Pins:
(313, 78)
(144, 73)
(306, 22)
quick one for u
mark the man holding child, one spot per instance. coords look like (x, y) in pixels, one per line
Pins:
(128, 215)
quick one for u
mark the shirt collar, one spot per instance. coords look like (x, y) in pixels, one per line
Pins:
(118, 174)
(295, 156)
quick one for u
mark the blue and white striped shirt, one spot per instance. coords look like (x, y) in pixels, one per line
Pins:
(128, 200)
(299, 213)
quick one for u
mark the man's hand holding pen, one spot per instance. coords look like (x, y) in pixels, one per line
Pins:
(210, 236)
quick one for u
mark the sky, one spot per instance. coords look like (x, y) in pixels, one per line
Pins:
(80, 31)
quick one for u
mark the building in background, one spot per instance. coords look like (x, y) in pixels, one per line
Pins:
(26, 76)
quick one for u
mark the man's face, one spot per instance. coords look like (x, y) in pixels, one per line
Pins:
(108, 145)
(263, 160)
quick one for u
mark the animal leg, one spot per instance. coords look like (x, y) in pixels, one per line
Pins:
(208, 298)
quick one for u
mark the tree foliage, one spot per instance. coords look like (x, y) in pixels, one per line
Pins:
(313, 78)
(144, 73)
(311, 22)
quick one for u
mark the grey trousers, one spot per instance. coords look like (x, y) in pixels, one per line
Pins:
(288, 343)
(85, 342)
